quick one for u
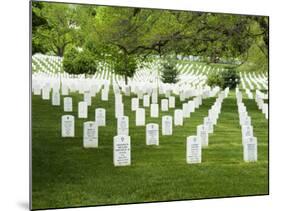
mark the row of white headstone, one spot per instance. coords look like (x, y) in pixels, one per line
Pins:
(261, 104)
(195, 143)
(249, 142)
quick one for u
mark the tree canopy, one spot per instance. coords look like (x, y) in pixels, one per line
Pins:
(122, 37)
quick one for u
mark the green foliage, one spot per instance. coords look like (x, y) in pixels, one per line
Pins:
(215, 79)
(125, 65)
(137, 32)
(59, 28)
(230, 78)
(169, 72)
(76, 62)
(226, 78)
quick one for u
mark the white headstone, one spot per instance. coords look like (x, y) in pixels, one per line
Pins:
(67, 104)
(191, 106)
(167, 125)
(122, 150)
(123, 126)
(154, 110)
(104, 95)
(247, 131)
(172, 102)
(119, 110)
(55, 98)
(193, 150)
(164, 105)
(154, 97)
(37, 90)
(100, 117)
(64, 90)
(146, 101)
(245, 120)
(209, 124)
(140, 117)
(46, 93)
(178, 117)
(88, 98)
(185, 110)
(203, 135)
(250, 149)
(67, 126)
(82, 110)
(152, 134)
(134, 104)
(90, 134)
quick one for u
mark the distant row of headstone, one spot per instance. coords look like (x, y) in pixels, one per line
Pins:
(191, 74)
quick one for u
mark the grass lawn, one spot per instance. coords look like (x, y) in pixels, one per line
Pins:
(66, 175)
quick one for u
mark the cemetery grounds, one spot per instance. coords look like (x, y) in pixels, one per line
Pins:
(64, 174)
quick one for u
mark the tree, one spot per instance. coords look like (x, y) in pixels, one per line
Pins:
(60, 30)
(215, 79)
(82, 62)
(123, 37)
(169, 72)
(125, 65)
(37, 22)
(226, 78)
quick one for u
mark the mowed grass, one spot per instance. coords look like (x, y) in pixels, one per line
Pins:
(64, 174)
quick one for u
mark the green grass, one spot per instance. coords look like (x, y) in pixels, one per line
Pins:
(66, 175)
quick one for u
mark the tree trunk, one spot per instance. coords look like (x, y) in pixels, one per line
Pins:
(126, 79)
(60, 51)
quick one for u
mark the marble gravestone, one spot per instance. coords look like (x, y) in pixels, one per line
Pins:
(55, 98)
(154, 97)
(134, 104)
(119, 109)
(64, 90)
(203, 135)
(172, 102)
(193, 150)
(250, 149)
(247, 131)
(140, 94)
(67, 104)
(104, 95)
(154, 110)
(46, 93)
(209, 124)
(67, 126)
(246, 121)
(90, 135)
(164, 105)
(191, 106)
(185, 110)
(37, 89)
(100, 117)
(152, 134)
(122, 150)
(140, 117)
(88, 98)
(178, 117)
(82, 110)
(146, 101)
(167, 125)
(123, 125)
